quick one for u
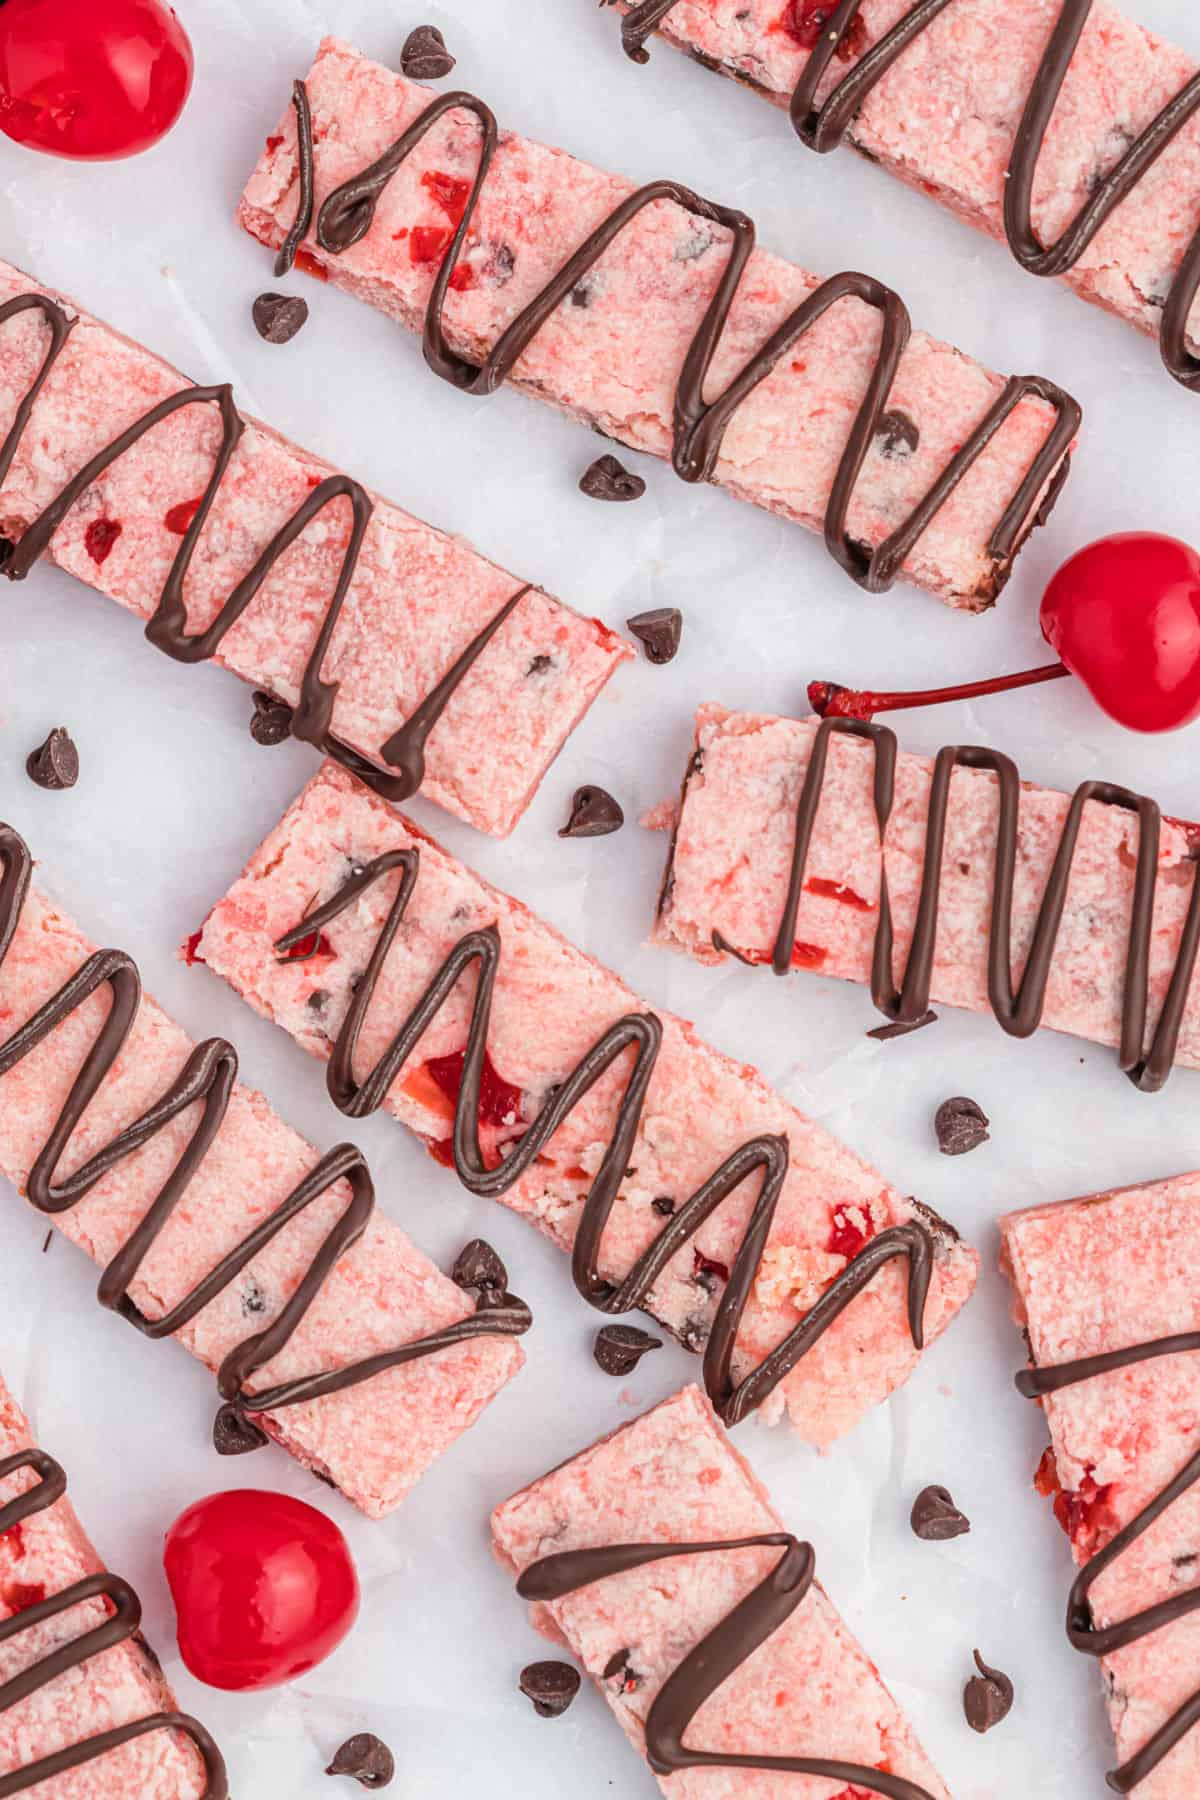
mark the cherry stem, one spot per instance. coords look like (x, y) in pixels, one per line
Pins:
(829, 700)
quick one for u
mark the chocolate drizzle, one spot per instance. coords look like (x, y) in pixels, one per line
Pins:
(404, 751)
(641, 1033)
(1082, 1631)
(1019, 1010)
(700, 424)
(767, 1607)
(822, 127)
(122, 1623)
(207, 1079)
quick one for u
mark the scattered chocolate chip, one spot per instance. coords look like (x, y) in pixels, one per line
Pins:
(594, 813)
(658, 632)
(425, 56)
(272, 721)
(478, 1266)
(581, 296)
(234, 1434)
(935, 1518)
(664, 1205)
(278, 317)
(961, 1125)
(551, 1686)
(620, 1348)
(896, 435)
(54, 765)
(366, 1759)
(883, 1034)
(608, 479)
(539, 664)
(987, 1697)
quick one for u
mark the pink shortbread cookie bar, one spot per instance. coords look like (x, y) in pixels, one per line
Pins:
(551, 1005)
(373, 1440)
(947, 114)
(611, 355)
(43, 1553)
(673, 1477)
(417, 600)
(732, 852)
(1098, 1275)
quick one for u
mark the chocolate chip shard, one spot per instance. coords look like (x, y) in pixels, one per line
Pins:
(272, 721)
(366, 1759)
(961, 1125)
(594, 813)
(896, 435)
(658, 632)
(425, 56)
(477, 1266)
(987, 1697)
(551, 1686)
(664, 1204)
(935, 1518)
(608, 479)
(620, 1348)
(278, 317)
(54, 765)
(236, 1435)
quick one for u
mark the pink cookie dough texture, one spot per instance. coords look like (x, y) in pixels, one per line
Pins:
(551, 1005)
(373, 1440)
(728, 872)
(612, 358)
(38, 1559)
(1090, 1276)
(417, 600)
(945, 117)
(673, 1477)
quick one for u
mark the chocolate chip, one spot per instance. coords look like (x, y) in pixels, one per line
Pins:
(366, 1759)
(539, 664)
(664, 1205)
(551, 1686)
(658, 632)
(317, 1000)
(272, 721)
(478, 1266)
(961, 1125)
(581, 296)
(987, 1697)
(499, 266)
(935, 1518)
(594, 813)
(55, 764)
(620, 1348)
(234, 1434)
(278, 317)
(425, 56)
(620, 1666)
(253, 1299)
(608, 479)
(896, 435)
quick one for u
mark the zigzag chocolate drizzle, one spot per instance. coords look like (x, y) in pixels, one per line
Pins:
(167, 627)
(208, 1077)
(641, 1032)
(1082, 1631)
(1018, 1011)
(768, 1605)
(700, 424)
(822, 127)
(121, 1625)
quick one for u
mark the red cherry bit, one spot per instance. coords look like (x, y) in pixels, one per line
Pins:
(1123, 614)
(264, 1588)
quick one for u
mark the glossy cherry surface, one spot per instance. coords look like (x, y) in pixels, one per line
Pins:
(91, 79)
(264, 1588)
(1124, 615)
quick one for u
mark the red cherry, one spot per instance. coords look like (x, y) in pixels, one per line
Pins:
(1123, 614)
(264, 1588)
(91, 79)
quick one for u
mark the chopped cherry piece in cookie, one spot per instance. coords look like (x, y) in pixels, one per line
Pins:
(450, 191)
(100, 537)
(847, 1235)
(806, 21)
(180, 517)
(837, 890)
(499, 1100)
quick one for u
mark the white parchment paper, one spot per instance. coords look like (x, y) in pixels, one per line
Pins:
(174, 795)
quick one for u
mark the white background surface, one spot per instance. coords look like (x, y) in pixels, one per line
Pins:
(174, 795)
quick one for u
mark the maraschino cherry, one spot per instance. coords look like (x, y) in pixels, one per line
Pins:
(264, 1588)
(1123, 614)
(91, 79)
